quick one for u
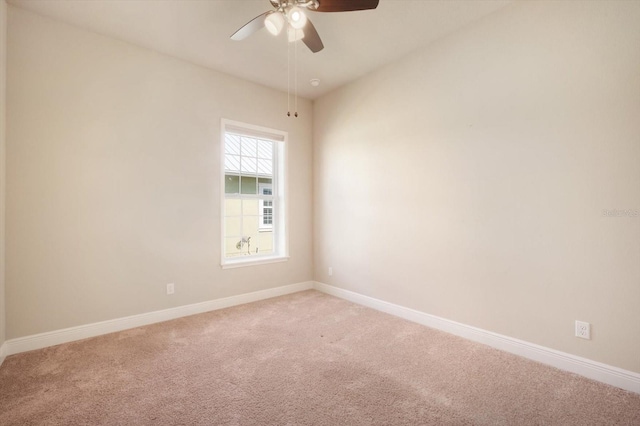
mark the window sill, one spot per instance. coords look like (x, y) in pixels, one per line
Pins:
(239, 263)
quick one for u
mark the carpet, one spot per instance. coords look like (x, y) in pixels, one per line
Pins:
(301, 359)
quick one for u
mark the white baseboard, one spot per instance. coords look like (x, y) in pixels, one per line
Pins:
(43, 340)
(3, 353)
(604, 373)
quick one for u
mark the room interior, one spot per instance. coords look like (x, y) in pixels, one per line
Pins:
(470, 166)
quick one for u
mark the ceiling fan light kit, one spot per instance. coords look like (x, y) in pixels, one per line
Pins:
(297, 18)
(274, 23)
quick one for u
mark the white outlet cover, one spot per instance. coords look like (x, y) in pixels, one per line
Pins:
(583, 330)
(170, 288)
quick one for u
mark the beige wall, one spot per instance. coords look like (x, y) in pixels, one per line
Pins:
(113, 179)
(3, 74)
(468, 180)
(473, 175)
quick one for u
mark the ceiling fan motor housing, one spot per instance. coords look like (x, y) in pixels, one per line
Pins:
(285, 4)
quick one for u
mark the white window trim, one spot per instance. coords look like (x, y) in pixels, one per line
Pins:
(281, 166)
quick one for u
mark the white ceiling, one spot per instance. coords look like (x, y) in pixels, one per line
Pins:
(198, 31)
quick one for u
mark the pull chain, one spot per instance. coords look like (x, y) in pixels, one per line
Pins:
(288, 81)
(295, 84)
(292, 33)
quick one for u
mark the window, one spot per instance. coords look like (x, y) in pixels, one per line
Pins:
(266, 207)
(253, 208)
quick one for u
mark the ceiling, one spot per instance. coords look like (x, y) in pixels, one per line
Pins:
(198, 31)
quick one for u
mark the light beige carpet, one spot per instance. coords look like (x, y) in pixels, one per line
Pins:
(302, 359)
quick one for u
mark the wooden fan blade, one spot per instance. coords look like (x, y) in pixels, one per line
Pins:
(251, 27)
(345, 5)
(311, 37)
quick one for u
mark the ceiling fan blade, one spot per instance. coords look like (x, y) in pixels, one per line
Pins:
(251, 27)
(311, 37)
(345, 5)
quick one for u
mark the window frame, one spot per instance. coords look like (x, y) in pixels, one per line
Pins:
(279, 188)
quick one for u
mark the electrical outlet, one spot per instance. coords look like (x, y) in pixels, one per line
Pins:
(171, 288)
(330, 271)
(583, 330)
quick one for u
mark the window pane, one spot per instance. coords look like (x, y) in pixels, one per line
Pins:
(265, 167)
(250, 225)
(250, 207)
(232, 144)
(232, 226)
(265, 181)
(265, 149)
(232, 207)
(264, 244)
(249, 165)
(231, 163)
(249, 147)
(231, 184)
(249, 185)
(232, 248)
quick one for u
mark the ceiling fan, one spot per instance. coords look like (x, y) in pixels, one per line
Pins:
(289, 14)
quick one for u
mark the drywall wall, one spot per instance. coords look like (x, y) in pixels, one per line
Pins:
(3, 75)
(493, 178)
(113, 179)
